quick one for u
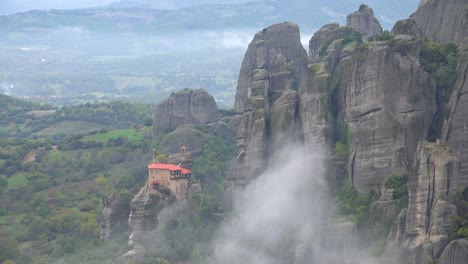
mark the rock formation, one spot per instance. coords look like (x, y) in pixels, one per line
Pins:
(421, 234)
(442, 20)
(455, 133)
(364, 22)
(456, 252)
(184, 135)
(267, 95)
(273, 52)
(144, 220)
(114, 216)
(319, 96)
(325, 35)
(379, 97)
(407, 27)
(185, 107)
(388, 107)
(184, 158)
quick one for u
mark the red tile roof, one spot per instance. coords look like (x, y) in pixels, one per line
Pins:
(171, 167)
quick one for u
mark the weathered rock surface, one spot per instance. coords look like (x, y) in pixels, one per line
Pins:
(432, 191)
(318, 98)
(185, 135)
(114, 216)
(442, 20)
(455, 253)
(144, 221)
(267, 95)
(314, 106)
(273, 50)
(364, 22)
(224, 129)
(184, 158)
(388, 104)
(407, 27)
(325, 35)
(384, 210)
(185, 107)
(455, 133)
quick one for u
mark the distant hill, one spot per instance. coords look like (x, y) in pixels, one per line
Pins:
(167, 16)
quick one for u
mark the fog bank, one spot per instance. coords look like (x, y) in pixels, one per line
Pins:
(282, 217)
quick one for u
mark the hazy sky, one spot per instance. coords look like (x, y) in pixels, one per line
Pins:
(12, 6)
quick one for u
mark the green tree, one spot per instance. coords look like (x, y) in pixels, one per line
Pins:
(9, 249)
(3, 185)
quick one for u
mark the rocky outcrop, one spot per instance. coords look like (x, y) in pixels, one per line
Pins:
(319, 93)
(432, 191)
(267, 95)
(407, 27)
(442, 20)
(364, 22)
(144, 220)
(455, 133)
(274, 50)
(114, 216)
(456, 252)
(182, 159)
(185, 135)
(388, 105)
(321, 39)
(223, 128)
(185, 107)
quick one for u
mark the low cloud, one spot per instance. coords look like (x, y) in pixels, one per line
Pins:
(283, 217)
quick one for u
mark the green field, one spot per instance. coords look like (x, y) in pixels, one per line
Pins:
(69, 127)
(133, 135)
(17, 179)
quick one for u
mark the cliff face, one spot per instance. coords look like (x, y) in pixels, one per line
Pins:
(114, 216)
(388, 105)
(455, 133)
(185, 107)
(456, 252)
(421, 234)
(144, 220)
(273, 51)
(379, 97)
(267, 95)
(442, 20)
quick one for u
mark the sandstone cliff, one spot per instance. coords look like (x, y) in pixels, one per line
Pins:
(185, 107)
(144, 220)
(272, 52)
(455, 133)
(456, 252)
(267, 95)
(114, 216)
(388, 104)
(381, 99)
(442, 20)
(421, 233)
(184, 135)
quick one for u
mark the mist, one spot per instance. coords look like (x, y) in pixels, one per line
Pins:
(284, 216)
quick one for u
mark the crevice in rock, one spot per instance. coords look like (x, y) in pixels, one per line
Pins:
(435, 130)
(351, 172)
(371, 111)
(448, 127)
(411, 111)
(449, 169)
